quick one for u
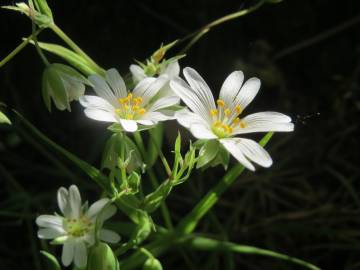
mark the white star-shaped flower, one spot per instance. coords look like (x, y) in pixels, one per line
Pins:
(142, 106)
(222, 121)
(79, 226)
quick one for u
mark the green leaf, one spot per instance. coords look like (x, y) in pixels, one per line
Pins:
(155, 143)
(152, 264)
(222, 158)
(68, 55)
(4, 119)
(153, 200)
(51, 260)
(101, 257)
(133, 182)
(208, 244)
(207, 153)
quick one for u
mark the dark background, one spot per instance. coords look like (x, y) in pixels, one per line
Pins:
(307, 54)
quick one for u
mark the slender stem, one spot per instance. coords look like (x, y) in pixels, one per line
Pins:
(190, 221)
(38, 49)
(57, 30)
(164, 210)
(197, 35)
(21, 46)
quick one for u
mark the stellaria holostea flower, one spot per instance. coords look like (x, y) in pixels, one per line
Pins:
(79, 226)
(222, 121)
(115, 104)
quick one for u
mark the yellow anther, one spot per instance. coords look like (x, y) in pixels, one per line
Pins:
(236, 121)
(122, 100)
(141, 111)
(238, 109)
(135, 107)
(118, 110)
(214, 112)
(227, 112)
(242, 124)
(139, 100)
(217, 124)
(126, 107)
(220, 103)
(129, 96)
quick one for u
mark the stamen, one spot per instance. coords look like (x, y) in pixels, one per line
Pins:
(220, 103)
(242, 124)
(238, 109)
(214, 112)
(227, 112)
(141, 111)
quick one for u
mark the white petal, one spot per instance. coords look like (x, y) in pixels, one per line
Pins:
(68, 253)
(264, 122)
(128, 125)
(250, 149)
(137, 73)
(96, 207)
(164, 103)
(95, 102)
(80, 256)
(107, 213)
(231, 87)
(230, 145)
(74, 201)
(100, 115)
(247, 93)
(102, 89)
(173, 69)
(116, 82)
(154, 88)
(50, 233)
(62, 198)
(199, 86)
(191, 99)
(201, 131)
(187, 118)
(49, 221)
(142, 85)
(145, 122)
(156, 117)
(109, 236)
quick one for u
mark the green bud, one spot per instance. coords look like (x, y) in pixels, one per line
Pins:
(101, 257)
(133, 183)
(62, 84)
(43, 8)
(152, 264)
(41, 19)
(207, 153)
(159, 54)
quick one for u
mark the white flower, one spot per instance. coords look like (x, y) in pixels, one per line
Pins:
(139, 73)
(76, 228)
(221, 121)
(115, 104)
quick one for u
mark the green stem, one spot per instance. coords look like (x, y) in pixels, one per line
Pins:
(190, 221)
(164, 210)
(202, 31)
(57, 30)
(38, 49)
(21, 46)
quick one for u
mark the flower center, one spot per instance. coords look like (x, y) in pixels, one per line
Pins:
(78, 227)
(225, 119)
(130, 107)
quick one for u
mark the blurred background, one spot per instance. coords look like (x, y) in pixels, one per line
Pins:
(307, 54)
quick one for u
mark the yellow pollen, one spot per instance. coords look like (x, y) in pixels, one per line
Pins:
(238, 109)
(236, 121)
(220, 103)
(141, 111)
(139, 100)
(214, 112)
(242, 124)
(227, 112)
(135, 107)
(118, 110)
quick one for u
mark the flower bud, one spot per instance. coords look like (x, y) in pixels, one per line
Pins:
(62, 84)
(152, 264)
(101, 257)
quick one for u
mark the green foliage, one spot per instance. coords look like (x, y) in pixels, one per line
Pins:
(4, 119)
(152, 264)
(62, 84)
